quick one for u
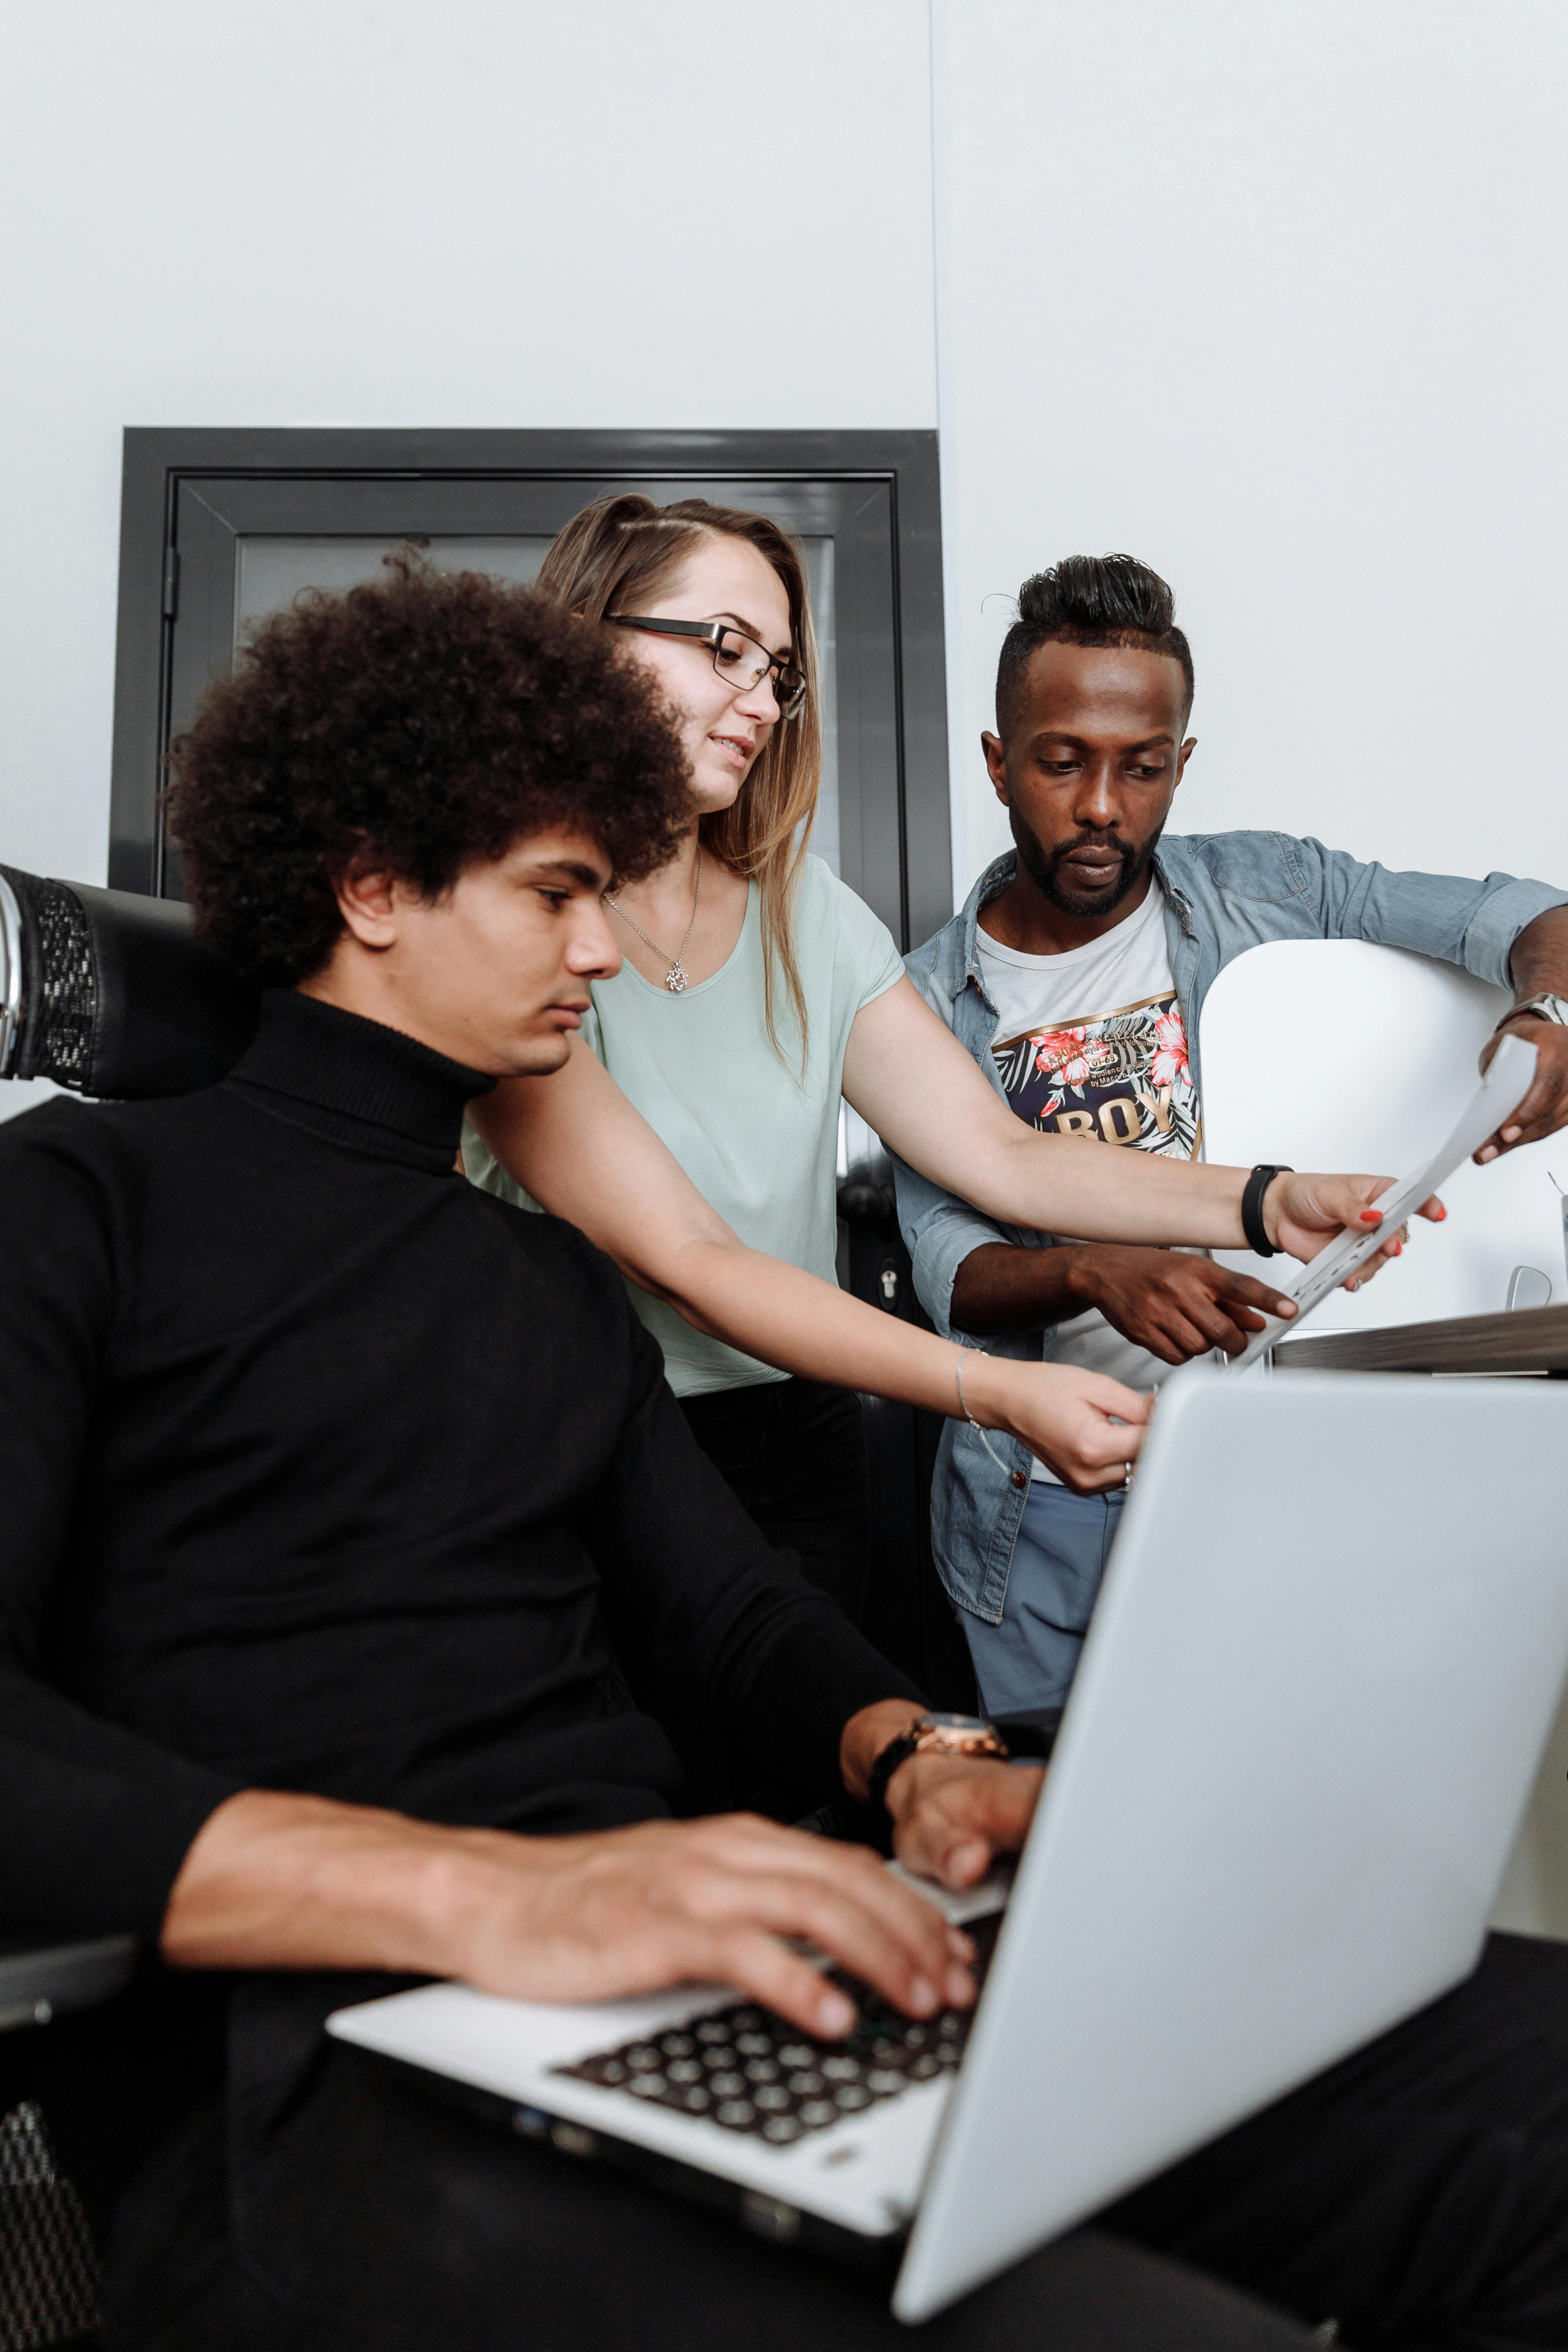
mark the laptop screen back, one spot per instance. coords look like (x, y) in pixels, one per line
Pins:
(1311, 1704)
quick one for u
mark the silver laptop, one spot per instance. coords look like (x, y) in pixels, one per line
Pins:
(1308, 1716)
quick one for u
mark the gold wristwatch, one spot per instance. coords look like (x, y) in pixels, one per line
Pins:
(940, 1735)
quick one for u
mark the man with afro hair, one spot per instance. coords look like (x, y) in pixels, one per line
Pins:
(302, 1680)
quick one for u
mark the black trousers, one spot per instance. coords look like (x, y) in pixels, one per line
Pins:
(794, 1452)
(1417, 2194)
(396, 2225)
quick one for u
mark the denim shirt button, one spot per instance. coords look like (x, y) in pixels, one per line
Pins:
(1020, 1478)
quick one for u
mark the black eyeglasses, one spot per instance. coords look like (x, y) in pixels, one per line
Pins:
(738, 659)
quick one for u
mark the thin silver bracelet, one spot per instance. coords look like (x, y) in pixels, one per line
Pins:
(969, 1417)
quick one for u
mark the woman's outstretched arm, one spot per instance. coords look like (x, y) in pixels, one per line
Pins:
(575, 1143)
(910, 1079)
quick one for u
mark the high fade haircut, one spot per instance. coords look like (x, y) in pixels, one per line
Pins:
(1088, 600)
(419, 724)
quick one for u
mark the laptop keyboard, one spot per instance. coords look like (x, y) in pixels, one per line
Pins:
(749, 2071)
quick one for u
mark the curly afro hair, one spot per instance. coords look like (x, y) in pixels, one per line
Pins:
(422, 723)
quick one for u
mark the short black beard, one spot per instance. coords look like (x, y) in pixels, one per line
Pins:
(1043, 871)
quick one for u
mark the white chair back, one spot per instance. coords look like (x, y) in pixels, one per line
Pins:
(1336, 1054)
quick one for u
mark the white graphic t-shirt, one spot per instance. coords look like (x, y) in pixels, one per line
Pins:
(1093, 1043)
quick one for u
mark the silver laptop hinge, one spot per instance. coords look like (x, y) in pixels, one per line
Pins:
(770, 2217)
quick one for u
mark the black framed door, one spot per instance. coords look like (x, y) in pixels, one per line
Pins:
(220, 528)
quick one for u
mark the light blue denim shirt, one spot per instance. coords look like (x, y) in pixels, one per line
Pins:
(1224, 892)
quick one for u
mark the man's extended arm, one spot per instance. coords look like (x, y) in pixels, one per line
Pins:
(1173, 1303)
(973, 1275)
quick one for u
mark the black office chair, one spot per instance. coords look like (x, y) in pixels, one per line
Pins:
(111, 994)
(51, 2137)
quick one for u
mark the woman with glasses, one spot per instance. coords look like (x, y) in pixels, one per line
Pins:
(699, 1129)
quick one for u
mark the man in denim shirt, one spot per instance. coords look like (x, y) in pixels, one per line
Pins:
(1075, 974)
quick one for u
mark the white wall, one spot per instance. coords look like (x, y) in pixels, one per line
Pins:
(1274, 298)
(372, 212)
(1270, 295)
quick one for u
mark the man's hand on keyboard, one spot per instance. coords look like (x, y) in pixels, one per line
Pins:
(953, 1816)
(723, 1901)
(276, 1880)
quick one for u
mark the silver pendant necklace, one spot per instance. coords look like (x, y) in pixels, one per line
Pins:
(675, 979)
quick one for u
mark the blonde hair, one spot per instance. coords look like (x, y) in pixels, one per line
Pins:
(615, 556)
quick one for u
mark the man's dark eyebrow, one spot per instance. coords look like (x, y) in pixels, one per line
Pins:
(1066, 735)
(753, 631)
(568, 870)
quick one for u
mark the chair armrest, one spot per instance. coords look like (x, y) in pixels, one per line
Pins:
(39, 1984)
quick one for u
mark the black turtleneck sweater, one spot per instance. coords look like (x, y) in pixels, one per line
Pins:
(313, 1459)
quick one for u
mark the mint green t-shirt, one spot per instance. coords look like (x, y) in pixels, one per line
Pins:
(760, 1143)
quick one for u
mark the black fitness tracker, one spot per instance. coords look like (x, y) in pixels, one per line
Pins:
(1252, 1224)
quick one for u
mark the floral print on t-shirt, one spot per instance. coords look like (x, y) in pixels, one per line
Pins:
(1120, 1077)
